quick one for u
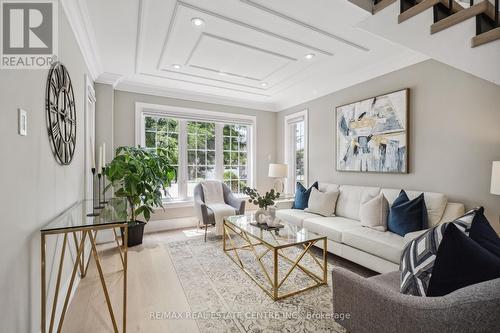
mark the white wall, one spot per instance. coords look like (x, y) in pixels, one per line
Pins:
(34, 187)
(454, 134)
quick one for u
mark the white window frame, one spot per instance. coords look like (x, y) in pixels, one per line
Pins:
(289, 149)
(189, 114)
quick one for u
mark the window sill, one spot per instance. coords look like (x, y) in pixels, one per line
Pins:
(186, 203)
(178, 203)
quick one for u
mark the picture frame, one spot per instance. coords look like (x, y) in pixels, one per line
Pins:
(372, 135)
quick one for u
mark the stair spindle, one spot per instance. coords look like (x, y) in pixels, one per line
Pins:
(496, 12)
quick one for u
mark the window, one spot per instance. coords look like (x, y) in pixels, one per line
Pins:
(235, 157)
(200, 152)
(159, 132)
(296, 149)
(208, 145)
(298, 153)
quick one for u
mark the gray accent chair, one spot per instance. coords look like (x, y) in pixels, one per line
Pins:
(205, 214)
(376, 305)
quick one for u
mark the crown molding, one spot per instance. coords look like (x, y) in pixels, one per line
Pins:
(78, 17)
(111, 79)
(131, 85)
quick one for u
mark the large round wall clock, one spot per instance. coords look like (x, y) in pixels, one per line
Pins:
(61, 114)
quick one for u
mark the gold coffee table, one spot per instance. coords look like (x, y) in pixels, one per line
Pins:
(265, 248)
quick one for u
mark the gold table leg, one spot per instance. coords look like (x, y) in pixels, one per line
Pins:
(42, 243)
(125, 268)
(277, 252)
(58, 281)
(103, 282)
(71, 281)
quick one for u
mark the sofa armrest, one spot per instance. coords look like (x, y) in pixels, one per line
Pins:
(452, 211)
(201, 211)
(237, 203)
(284, 204)
(412, 235)
(374, 306)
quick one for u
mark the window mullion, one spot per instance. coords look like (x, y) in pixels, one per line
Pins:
(219, 152)
(183, 172)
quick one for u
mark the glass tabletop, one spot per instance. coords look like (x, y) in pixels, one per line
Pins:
(75, 217)
(287, 236)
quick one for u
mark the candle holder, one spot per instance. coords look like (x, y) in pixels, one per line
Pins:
(103, 188)
(94, 208)
(99, 206)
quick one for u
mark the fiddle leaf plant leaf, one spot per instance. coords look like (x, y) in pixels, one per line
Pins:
(139, 175)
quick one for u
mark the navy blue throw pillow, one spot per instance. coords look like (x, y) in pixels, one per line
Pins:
(482, 232)
(460, 262)
(302, 196)
(407, 215)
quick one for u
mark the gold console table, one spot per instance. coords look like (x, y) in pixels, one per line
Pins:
(74, 223)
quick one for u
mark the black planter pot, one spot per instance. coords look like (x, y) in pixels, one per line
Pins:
(135, 233)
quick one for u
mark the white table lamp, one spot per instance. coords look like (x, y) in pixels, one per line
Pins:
(278, 171)
(495, 178)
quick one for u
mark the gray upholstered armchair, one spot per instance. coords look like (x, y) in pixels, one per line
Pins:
(205, 214)
(376, 305)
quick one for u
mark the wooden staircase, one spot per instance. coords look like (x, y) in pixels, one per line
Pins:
(447, 13)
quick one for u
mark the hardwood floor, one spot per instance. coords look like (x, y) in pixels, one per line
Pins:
(153, 286)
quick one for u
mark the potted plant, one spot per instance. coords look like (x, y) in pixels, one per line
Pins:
(262, 201)
(140, 175)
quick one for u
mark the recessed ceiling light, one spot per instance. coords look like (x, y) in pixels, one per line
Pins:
(309, 56)
(176, 66)
(263, 84)
(197, 22)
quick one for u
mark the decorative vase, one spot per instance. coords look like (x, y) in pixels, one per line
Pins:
(261, 216)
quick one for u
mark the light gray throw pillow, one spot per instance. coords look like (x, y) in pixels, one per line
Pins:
(373, 213)
(322, 203)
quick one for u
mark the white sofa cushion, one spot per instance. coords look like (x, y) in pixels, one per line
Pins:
(435, 202)
(322, 203)
(331, 227)
(328, 187)
(386, 245)
(294, 216)
(373, 213)
(350, 199)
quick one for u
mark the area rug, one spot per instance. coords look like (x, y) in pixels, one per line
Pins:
(224, 299)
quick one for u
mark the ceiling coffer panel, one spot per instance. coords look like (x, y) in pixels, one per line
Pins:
(230, 51)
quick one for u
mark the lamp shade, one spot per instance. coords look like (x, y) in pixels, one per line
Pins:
(495, 178)
(278, 170)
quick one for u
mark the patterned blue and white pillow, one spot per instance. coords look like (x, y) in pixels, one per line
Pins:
(419, 255)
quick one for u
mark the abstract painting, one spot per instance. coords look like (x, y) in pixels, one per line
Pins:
(372, 135)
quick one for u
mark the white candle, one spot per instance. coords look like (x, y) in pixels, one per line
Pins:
(92, 154)
(99, 167)
(103, 155)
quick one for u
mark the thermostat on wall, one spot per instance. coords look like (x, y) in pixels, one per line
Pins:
(23, 122)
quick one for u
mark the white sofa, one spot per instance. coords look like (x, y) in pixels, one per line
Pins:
(347, 238)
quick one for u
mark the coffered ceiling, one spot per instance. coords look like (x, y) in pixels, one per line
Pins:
(265, 54)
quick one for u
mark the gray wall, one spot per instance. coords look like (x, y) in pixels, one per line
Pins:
(34, 187)
(124, 134)
(454, 134)
(104, 110)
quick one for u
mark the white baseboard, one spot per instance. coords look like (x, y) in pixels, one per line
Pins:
(170, 224)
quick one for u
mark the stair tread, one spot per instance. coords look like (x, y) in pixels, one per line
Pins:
(486, 37)
(462, 15)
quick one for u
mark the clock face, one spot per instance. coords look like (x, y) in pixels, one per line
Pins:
(61, 114)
